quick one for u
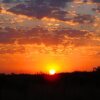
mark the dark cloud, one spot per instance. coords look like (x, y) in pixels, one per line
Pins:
(96, 1)
(97, 9)
(52, 3)
(41, 35)
(42, 8)
(50, 9)
(74, 33)
(75, 37)
(9, 36)
(0, 8)
(58, 14)
(14, 41)
(92, 0)
(13, 1)
(84, 19)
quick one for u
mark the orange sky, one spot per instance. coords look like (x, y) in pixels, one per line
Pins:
(36, 62)
(66, 40)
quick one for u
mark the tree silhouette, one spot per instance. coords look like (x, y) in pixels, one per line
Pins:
(96, 69)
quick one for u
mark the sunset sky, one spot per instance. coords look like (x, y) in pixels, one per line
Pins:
(39, 35)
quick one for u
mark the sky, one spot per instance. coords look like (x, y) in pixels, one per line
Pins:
(39, 35)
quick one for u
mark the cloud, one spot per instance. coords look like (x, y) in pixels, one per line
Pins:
(52, 9)
(97, 10)
(42, 35)
(11, 49)
(9, 36)
(97, 1)
(84, 19)
(42, 41)
(53, 27)
(43, 8)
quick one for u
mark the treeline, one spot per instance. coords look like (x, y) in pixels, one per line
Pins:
(62, 86)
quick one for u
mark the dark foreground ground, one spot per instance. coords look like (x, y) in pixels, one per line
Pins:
(65, 86)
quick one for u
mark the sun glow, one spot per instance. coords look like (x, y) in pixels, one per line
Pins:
(52, 68)
(52, 72)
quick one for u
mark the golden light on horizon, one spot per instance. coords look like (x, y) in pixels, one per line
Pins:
(52, 71)
(53, 68)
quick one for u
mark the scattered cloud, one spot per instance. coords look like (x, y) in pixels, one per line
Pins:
(50, 25)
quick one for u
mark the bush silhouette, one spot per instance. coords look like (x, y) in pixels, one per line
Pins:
(97, 69)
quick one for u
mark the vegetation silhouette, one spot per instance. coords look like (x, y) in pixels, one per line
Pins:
(62, 86)
(97, 69)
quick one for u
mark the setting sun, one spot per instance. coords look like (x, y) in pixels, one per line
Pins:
(52, 72)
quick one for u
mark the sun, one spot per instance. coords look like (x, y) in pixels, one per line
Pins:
(52, 71)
